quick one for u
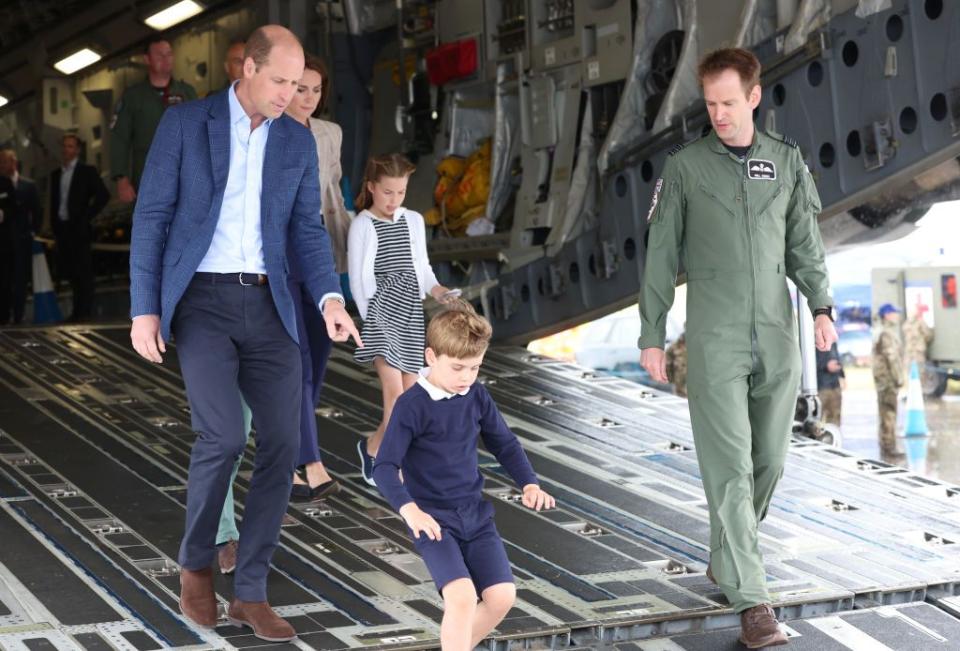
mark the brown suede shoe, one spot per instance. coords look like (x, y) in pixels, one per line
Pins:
(759, 628)
(259, 616)
(710, 576)
(198, 603)
(227, 557)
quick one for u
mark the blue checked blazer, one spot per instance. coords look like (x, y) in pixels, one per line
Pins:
(179, 201)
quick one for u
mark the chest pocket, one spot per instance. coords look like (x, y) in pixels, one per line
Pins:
(769, 199)
(716, 202)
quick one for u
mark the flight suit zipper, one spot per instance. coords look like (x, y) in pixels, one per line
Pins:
(753, 261)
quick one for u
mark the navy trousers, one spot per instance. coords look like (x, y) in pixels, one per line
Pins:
(230, 340)
(315, 347)
(22, 274)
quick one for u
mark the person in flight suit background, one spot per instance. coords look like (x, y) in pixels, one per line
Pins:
(738, 208)
(138, 113)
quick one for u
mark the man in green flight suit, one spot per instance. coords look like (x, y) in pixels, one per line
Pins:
(138, 113)
(738, 209)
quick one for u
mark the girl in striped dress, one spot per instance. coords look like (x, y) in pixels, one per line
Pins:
(390, 275)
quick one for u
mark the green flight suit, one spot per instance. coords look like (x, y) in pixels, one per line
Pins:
(134, 122)
(740, 228)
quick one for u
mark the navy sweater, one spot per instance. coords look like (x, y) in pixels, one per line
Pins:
(435, 443)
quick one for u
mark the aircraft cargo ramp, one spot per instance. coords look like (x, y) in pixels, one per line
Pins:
(94, 447)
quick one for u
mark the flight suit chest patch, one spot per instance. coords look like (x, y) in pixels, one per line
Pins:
(656, 197)
(761, 170)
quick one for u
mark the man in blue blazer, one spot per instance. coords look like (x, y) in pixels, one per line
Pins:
(230, 189)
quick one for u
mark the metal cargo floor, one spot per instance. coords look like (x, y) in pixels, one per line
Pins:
(94, 447)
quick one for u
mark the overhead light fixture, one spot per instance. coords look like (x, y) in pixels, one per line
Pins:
(76, 61)
(175, 13)
(3, 100)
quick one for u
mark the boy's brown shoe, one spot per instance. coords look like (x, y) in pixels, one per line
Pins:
(759, 628)
(198, 603)
(259, 616)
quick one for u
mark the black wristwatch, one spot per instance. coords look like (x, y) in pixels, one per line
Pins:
(826, 311)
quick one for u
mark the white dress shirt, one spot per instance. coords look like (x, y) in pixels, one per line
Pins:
(237, 242)
(66, 178)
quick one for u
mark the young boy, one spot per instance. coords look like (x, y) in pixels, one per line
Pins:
(432, 437)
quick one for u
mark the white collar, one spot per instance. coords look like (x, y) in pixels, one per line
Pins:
(397, 214)
(71, 165)
(237, 113)
(436, 393)
(15, 178)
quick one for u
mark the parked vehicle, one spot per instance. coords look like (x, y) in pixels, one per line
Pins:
(609, 345)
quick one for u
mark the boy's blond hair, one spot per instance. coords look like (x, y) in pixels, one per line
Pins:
(459, 332)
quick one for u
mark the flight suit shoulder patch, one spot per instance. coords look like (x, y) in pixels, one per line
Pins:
(682, 145)
(784, 139)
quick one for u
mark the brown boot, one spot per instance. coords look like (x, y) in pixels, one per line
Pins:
(227, 557)
(759, 628)
(710, 576)
(893, 457)
(198, 603)
(259, 616)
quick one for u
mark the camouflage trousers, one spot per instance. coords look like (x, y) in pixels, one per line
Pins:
(680, 388)
(887, 405)
(830, 400)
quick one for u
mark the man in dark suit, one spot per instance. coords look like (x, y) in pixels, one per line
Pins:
(28, 220)
(77, 195)
(8, 216)
(230, 186)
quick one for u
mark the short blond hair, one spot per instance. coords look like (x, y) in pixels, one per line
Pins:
(459, 332)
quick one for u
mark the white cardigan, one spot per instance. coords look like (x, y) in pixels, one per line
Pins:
(362, 251)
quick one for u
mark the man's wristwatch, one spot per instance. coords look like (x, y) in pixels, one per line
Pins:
(825, 311)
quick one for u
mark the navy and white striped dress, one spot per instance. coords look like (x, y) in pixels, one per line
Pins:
(393, 328)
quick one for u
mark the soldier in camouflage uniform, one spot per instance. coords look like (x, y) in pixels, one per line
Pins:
(677, 365)
(917, 336)
(888, 377)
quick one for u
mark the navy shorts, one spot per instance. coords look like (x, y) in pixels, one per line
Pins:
(469, 548)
